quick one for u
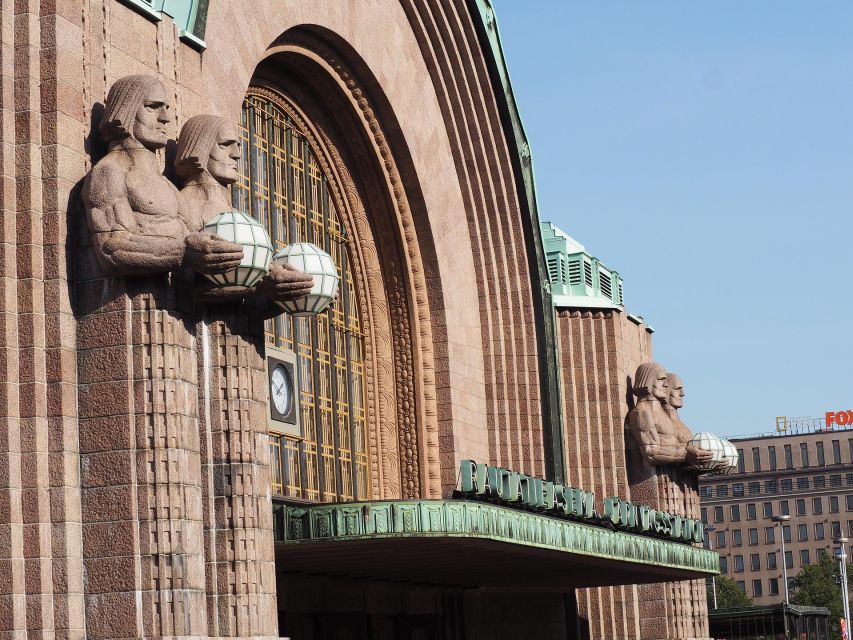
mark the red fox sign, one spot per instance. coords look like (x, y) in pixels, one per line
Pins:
(841, 418)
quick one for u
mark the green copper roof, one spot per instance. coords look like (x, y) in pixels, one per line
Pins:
(577, 278)
(453, 534)
(190, 16)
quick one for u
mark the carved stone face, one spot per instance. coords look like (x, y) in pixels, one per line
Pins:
(676, 392)
(224, 154)
(149, 127)
(660, 388)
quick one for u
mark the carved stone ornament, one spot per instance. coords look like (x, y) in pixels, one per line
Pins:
(654, 423)
(206, 160)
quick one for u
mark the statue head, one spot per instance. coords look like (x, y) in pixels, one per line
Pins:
(650, 380)
(676, 391)
(137, 107)
(208, 144)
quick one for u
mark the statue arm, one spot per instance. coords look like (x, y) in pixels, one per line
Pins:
(644, 429)
(119, 245)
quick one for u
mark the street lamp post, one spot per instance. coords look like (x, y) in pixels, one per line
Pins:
(779, 520)
(708, 529)
(842, 560)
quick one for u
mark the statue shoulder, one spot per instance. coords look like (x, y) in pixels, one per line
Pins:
(106, 181)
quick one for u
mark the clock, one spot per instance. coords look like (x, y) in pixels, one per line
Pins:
(283, 392)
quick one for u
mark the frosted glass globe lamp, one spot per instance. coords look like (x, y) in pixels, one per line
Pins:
(311, 259)
(732, 458)
(708, 442)
(244, 230)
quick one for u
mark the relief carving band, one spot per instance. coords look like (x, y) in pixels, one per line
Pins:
(134, 213)
(208, 152)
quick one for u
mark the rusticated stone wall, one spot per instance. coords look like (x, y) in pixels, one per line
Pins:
(599, 352)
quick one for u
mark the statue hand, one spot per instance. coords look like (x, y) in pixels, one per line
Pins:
(285, 283)
(210, 254)
(697, 456)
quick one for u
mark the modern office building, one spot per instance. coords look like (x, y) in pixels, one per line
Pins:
(807, 475)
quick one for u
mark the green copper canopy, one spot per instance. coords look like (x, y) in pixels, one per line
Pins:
(457, 542)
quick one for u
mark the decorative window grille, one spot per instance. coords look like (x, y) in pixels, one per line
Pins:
(282, 185)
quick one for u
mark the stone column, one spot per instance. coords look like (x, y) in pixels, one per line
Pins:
(141, 471)
(240, 569)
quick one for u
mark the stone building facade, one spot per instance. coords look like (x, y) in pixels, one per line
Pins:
(137, 474)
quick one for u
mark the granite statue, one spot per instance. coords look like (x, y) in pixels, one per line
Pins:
(134, 213)
(661, 436)
(207, 157)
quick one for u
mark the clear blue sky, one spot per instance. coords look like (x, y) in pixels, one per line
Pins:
(705, 151)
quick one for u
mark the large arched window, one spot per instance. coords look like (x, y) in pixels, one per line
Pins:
(283, 186)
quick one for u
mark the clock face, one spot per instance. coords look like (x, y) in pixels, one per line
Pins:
(281, 390)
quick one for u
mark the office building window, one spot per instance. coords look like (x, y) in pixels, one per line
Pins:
(718, 514)
(786, 532)
(849, 502)
(836, 452)
(804, 455)
(850, 479)
(771, 452)
(721, 539)
(774, 586)
(769, 535)
(801, 507)
(750, 511)
(835, 481)
(735, 513)
(850, 444)
(724, 564)
(789, 559)
(755, 562)
(783, 507)
(754, 488)
(818, 531)
(836, 529)
(789, 457)
(787, 484)
(756, 588)
(705, 492)
(817, 506)
(791, 584)
(821, 459)
(833, 504)
(768, 509)
(770, 486)
(742, 585)
(740, 461)
(738, 564)
(722, 490)
(819, 482)
(737, 539)
(802, 532)
(771, 560)
(737, 489)
(802, 483)
(753, 537)
(850, 528)
(804, 557)
(756, 459)
(704, 515)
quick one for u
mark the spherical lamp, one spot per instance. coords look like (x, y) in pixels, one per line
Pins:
(312, 260)
(244, 230)
(708, 442)
(732, 458)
